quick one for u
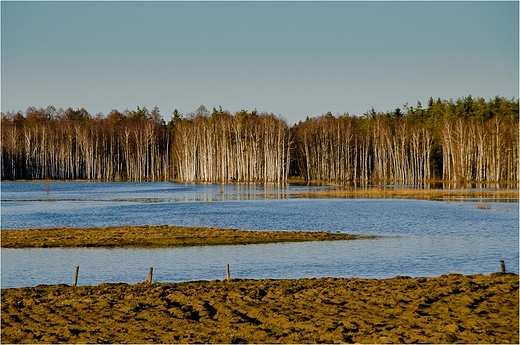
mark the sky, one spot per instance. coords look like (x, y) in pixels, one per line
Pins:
(293, 59)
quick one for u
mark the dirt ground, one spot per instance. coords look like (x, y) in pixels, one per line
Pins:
(447, 309)
(146, 236)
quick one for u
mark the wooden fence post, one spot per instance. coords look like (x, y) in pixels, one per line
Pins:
(228, 275)
(150, 274)
(76, 276)
(503, 266)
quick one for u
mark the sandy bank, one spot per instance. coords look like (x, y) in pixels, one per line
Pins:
(157, 236)
(448, 309)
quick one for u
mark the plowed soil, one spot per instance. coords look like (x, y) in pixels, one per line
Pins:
(448, 309)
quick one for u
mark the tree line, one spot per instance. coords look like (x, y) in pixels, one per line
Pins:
(464, 140)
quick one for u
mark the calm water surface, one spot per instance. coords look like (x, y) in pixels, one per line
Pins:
(422, 238)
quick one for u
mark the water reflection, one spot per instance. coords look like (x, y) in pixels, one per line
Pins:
(145, 192)
(155, 192)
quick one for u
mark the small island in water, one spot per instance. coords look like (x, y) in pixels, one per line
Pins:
(158, 236)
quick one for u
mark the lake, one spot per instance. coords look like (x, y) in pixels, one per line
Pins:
(420, 238)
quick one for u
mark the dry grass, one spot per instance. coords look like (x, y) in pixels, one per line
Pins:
(448, 309)
(156, 236)
(416, 193)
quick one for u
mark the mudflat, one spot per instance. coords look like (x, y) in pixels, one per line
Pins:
(447, 309)
(157, 236)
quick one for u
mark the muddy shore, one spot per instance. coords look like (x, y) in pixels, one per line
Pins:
(157, 236)
(447, 309)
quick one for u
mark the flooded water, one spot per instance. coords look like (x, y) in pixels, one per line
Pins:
(421, 238)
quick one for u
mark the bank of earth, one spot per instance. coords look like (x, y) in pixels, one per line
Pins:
(158, 236)
(447, 309)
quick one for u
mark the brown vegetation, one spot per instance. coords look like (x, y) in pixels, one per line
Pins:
(156, 236)
(488, 195)
(448, 309)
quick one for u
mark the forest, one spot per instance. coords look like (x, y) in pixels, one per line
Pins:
(469, 139)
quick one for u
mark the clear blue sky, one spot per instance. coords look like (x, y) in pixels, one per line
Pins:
(294, 59)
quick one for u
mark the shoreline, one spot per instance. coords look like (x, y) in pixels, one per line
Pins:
(488, 194)
(159, 236)
(448, 309)
(376, 192)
